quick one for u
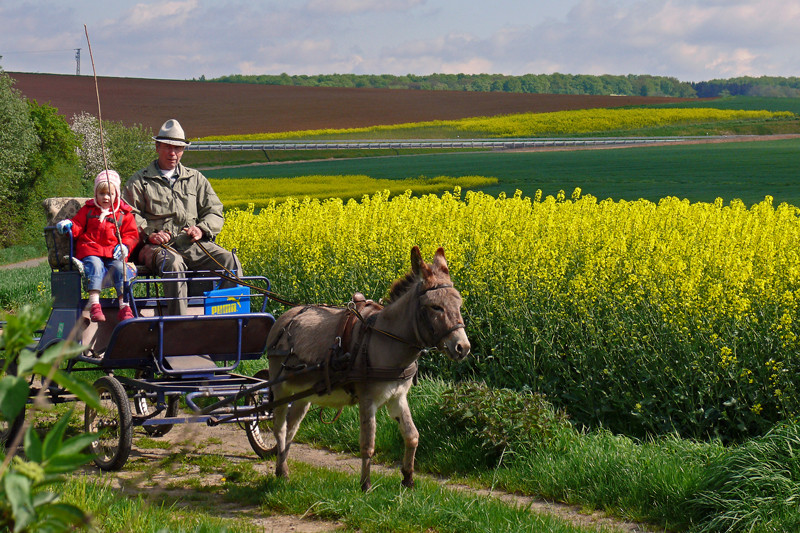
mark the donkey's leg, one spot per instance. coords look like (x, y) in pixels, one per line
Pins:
(297, 412)
(366, 411)
(398, 409)
(281, 449)
(285, 424)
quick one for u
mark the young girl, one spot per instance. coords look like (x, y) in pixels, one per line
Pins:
(94, 229)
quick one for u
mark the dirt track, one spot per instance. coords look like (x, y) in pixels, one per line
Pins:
(231, 442)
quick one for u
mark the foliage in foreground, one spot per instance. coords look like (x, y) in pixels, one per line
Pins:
(639, 317)
(26, 504)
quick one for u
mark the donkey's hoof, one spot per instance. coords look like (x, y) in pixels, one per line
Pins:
(365, 486)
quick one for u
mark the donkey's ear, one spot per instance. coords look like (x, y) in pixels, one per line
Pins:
(418, 266)
(440, 262)
(416, 261)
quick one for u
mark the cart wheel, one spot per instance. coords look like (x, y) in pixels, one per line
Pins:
(9, 430)
(112, 423)
(259, 432)
(144, 407)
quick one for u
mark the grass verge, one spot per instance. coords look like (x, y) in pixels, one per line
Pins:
(23, 252)
(674, 483)
(19, 286)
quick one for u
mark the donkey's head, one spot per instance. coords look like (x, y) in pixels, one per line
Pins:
(439, 321)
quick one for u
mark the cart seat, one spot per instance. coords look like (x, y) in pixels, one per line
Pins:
(188, 344)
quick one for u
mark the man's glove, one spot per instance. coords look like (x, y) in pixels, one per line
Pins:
(64, 226)
(120, 252)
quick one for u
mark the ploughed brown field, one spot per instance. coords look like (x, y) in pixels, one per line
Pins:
(206, 108)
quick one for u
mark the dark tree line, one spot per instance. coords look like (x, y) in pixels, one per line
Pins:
(769, 86)
(629, 85)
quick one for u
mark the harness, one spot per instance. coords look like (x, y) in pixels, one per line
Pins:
(342, 369)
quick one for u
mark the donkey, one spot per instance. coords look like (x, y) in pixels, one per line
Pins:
(364, 354)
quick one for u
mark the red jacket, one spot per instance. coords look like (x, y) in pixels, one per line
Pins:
(93, 237)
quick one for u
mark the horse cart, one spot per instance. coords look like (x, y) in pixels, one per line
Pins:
(363, 354)
(156, 370)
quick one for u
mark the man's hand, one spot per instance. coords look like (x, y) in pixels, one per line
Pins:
(194, 232)
(159, 237)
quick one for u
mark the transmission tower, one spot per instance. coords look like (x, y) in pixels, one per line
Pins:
(77, 61)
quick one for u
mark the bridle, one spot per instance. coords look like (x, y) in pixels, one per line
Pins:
(421, 344)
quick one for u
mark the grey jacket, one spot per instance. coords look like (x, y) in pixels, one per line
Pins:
(157, 206)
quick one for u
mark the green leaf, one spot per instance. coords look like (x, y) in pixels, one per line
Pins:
(25, 362)
(65, 514)
(13, 396)
(60, 352)
(84, 391)
(20, 327)
(33, 445)
(64, 463)
(18, 492)
(52, 441)
(43, 498)
(77, 444)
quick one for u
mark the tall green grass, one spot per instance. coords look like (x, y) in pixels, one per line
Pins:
(112, 511)
(23, 252)
(677, 484)
(19, 286)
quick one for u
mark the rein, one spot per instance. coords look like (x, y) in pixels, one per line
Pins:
(351, 306)
(227, 275)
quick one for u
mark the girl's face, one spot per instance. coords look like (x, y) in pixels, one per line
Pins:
(104, 198)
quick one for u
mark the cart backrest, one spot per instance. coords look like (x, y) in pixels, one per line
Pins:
(141, 341)
(55, 210)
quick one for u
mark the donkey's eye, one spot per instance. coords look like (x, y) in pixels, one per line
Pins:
(437, 308)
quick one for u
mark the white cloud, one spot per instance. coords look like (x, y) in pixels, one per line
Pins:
(161, 16)
(360, 6)
(687, 39)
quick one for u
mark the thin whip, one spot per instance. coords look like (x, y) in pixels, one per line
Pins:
(103, 149)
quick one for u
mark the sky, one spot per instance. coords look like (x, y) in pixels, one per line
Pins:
(691, 40)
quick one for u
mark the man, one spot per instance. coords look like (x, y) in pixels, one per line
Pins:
(175, 206)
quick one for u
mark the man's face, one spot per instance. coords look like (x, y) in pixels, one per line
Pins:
(168, 155)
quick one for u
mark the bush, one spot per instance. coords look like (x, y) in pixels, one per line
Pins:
(37, 159)
(126, 149)
(27, 501)
(18, 144)
(503, 420)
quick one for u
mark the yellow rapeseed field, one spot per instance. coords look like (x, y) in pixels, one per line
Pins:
(639, 315)
(555, 123)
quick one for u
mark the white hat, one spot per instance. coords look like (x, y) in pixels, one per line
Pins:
(110, 177)
(172, 133)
